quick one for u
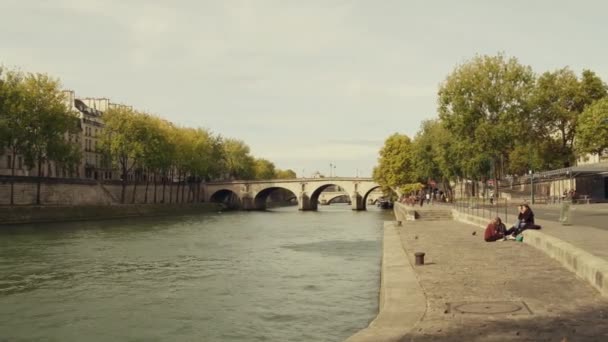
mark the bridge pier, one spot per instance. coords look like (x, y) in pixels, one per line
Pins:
(248, 203)
(304, 202)
(357, 201)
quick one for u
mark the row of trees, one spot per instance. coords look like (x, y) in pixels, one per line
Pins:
(496, 117)
(156, 150)
(38, 124)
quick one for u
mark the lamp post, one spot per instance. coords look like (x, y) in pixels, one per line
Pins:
(531, 187)
(331, 167)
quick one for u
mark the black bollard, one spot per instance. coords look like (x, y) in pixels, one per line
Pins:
(419, 258)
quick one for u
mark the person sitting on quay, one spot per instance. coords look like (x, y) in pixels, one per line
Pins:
(525, 220)
(495, 230)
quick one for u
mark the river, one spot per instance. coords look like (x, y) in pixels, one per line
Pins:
(279, 275)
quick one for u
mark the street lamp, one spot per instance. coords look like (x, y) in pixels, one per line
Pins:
(330, 168)
(531, 187)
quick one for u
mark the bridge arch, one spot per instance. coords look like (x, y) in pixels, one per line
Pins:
(314, 195)
(367, 194)
(226, 197)
(329, 201)
(260, 199)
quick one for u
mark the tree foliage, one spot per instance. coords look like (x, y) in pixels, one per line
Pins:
(497, 117)
(395, 165)
(593, 128)
(264, 169)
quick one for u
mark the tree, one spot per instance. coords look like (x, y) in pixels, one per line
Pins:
(484, 105)
(434, 155)
(12, 129)
(121, 141)
(263, 169)
(239, 163)
(285, 174)
(558, 99)
(593, 129)
(156, 150)
(395, 167)
(47, 122)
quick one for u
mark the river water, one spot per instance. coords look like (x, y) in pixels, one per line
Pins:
(280, 275)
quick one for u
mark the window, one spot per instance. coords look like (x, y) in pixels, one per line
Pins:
(20, 163)
(8, 162)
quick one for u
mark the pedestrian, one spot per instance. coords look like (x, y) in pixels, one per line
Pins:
(428, 198)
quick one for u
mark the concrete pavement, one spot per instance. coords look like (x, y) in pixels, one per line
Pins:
(501, 291)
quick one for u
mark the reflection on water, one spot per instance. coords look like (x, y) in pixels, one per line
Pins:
(281, 275)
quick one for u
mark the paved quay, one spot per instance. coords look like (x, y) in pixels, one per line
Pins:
(501, 291)
(580, 249)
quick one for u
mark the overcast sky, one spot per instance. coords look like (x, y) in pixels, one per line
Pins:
(304, 83)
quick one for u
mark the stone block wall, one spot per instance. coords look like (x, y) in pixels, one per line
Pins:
(57, 191)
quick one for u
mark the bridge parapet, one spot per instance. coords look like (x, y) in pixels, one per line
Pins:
(252, 194)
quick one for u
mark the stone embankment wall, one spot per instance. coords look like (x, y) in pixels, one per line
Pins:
(62, 191)
(39, 214)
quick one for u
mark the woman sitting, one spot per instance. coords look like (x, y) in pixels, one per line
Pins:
(525, 220)
(495, 230)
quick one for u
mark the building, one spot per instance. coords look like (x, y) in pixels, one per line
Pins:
(93, 165)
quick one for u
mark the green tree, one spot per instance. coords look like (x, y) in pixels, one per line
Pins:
(395, 167)
(156, 151)
(121, 141)
(47, 122)
(12, 129)
(484, 105)
(285, 174)
(558, 99)
(434, 155)
(263, 169)
(593, 129)
(239, 163)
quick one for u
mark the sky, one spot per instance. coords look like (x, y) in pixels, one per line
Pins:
(304, 83)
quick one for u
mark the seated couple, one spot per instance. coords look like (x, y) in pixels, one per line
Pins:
(496, 230)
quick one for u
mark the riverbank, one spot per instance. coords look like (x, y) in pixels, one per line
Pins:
(477, 291)
(11, 215)
(402, 302)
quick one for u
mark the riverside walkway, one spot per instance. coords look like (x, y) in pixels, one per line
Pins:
(501, 291)
(542, 290)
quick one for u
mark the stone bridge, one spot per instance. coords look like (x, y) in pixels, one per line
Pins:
(252, 195)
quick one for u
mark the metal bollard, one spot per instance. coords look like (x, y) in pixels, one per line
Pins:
(419, 258)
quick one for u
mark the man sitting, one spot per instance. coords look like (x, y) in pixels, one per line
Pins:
(495, 230)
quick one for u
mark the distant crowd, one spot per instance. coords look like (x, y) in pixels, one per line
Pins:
(421, 197)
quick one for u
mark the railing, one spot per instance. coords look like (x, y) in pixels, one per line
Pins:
(294, 180)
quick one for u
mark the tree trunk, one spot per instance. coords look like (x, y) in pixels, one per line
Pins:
(155, 187)
(13, 179)
(170, 186)
(39, 181)
(179, 175)
(134, 187)
(183, 185)
(147, 185)
(124, 185)
(164, 185)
